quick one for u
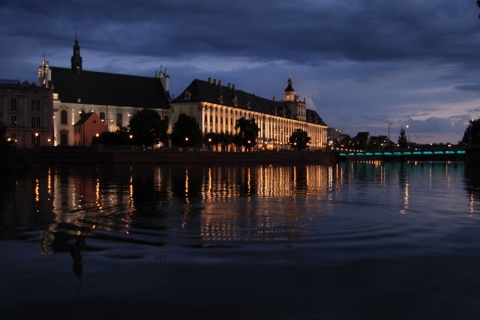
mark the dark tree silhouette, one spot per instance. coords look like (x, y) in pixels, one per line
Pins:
(247, 132)
(186, 132)
(472, 133)
(402, 139)
(299, 139)
(147, 128)
(119, 137)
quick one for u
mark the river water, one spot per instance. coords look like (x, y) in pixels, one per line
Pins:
(345, 241)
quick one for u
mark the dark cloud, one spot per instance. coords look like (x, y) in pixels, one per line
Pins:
(382, 59)
(468, 87)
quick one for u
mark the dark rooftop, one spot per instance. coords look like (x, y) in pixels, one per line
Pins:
(108, 89)
(205, 91)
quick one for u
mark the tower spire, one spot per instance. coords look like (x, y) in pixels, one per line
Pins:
(76, 58)
(289, 94)
(44, 73)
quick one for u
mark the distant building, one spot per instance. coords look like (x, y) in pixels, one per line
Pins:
(26, 110)
(87, 128)
(217, 108)
(115, 98)
(362, 139)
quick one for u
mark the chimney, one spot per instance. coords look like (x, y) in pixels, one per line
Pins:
(229, 85)
(209, 80)
(215, 82)
(219, 83)
(233, 87)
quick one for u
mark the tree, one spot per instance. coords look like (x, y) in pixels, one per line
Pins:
(226, 139)
(186, 132)
(119, 137)
(402, 139)
(472, 133)
(211, 138)
(148, 128)
(247, 132)
(299, 139)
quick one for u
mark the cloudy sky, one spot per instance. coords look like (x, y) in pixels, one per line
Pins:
(363, 65)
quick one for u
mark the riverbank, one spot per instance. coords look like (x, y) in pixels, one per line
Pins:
(91, 156)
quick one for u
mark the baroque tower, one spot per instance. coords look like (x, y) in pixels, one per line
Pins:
(289, 94)
(76, 58)
(44, 73)
(299, 108)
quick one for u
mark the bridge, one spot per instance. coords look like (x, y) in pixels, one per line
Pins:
(437, 154)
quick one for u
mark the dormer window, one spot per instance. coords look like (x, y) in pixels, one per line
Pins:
(188, 95)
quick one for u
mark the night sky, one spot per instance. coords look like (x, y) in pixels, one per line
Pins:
(361, 64)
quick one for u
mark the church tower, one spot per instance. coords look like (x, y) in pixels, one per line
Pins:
(289, 94)
(76, 58)
(298, 108)
(44, 73)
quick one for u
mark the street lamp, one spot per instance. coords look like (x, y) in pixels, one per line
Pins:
(389, 141)
(408, 135)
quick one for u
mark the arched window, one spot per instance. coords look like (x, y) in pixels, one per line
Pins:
(63, 117)
(119, 120)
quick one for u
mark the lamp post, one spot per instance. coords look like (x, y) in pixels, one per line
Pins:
(389, 141)
(408, 134)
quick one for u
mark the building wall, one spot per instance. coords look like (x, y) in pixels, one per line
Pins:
(114, 117)
(85, 132)
(274, 130)
(27, 110)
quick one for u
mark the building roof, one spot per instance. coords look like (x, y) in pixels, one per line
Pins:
(289, 86)
(102, 88)
(84, 117)
(215, 92)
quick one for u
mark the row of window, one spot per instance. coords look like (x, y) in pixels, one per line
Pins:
(64, 118)
(34, 124)
(34, 105)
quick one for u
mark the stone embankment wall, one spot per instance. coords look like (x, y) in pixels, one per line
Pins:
(90, 156)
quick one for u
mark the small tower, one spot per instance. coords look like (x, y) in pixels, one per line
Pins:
(76, 58)
(289, 94)
(164, 78)
(297, 107)
(44, 73)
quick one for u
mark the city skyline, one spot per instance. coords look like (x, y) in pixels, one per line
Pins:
(362, 65)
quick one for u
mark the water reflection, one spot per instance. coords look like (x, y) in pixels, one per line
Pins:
(195, 205)
(76, 201)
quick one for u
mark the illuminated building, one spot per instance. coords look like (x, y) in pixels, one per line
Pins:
(26, 110)
(89, 126)
(114, 97)
(217, 108)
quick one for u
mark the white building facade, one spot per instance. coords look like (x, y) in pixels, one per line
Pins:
(217, 108)
(26, 111)
(114, 97)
